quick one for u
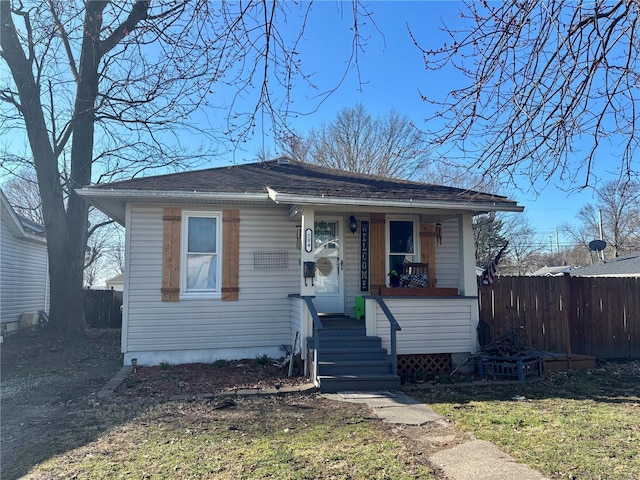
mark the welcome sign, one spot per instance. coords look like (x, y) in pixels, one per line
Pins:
(364, 256)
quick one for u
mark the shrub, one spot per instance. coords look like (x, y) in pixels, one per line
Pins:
(262, 359)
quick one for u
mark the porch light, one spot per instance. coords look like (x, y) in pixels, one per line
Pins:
(353, 224)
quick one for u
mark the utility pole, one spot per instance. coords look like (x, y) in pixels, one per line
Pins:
(601, 251)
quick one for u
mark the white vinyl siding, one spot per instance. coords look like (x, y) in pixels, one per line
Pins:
(259, 320)
(429, 325)
(24, 275)
(264, 317)
(448, 267)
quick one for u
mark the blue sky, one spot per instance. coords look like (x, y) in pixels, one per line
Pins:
(393, 74)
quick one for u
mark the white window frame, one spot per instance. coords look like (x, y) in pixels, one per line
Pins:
(208, 293)
(416, 238)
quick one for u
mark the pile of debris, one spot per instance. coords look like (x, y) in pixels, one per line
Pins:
(511, 344)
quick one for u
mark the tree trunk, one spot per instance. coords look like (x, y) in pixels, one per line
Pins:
(66, 253)
(66, 226)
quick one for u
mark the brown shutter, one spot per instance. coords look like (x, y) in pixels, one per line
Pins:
(428, 250)
(377, 253)
(171, 220)
(230, 254)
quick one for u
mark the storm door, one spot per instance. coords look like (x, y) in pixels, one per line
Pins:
(329, 281)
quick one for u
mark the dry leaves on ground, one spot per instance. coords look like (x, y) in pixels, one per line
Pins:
(200, 378)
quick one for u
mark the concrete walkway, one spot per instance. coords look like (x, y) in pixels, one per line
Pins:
(471, 460)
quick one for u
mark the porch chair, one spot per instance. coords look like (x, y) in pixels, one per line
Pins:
(415, 275)
(416, 268)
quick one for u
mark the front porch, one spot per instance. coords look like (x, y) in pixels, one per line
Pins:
(342, 353)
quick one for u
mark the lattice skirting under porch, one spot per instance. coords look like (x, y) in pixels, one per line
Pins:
(422, 365)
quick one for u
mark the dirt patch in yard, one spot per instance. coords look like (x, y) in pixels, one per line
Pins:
(45, 381)
(199, 378)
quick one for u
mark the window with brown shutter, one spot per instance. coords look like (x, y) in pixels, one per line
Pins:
(193, 267)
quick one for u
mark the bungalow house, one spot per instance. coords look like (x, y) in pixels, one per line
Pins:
(24, 270)
(254, 259)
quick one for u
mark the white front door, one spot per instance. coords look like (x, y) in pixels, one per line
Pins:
(328, 257)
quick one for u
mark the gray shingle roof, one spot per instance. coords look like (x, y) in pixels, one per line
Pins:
(627, 266)
(552, 271)
(288, 183)
(297, 178)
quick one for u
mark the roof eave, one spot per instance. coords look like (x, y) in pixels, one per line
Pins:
(113, 202)
(15, 225)
(475, 206)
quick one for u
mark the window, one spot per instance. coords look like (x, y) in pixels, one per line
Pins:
(401, 242)
(200, 253)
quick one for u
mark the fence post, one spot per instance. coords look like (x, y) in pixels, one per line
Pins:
(567, 309)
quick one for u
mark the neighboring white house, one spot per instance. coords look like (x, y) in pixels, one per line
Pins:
(554, 271)
(626, 266)
(24, 272)
(222, 263)
(116, 283)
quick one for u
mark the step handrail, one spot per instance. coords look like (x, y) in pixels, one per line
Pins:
(317, 326)
(394, 327)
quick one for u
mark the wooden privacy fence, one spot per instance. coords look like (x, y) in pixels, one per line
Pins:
(102, 308)
(594, 316)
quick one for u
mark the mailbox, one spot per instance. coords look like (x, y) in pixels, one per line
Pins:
(309, 270)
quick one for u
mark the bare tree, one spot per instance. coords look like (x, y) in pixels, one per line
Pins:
(575, 256)
(388, 145)
(617, 209)
(551, 84)
(22, 192)
(105, 89)
(489, 237)
(521, 254)
(104, 250)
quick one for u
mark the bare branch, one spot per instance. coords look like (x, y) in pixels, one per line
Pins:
(137, 14)
(65, 40)
(551, 85)
(95, 227)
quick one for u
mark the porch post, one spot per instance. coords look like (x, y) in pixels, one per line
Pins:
(468, 283)
(468, 280)
(306, 252)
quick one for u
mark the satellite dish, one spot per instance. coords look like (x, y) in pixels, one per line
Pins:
(597, 245)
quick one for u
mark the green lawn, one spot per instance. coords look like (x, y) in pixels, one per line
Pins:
(575, 425)
(293, 438)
